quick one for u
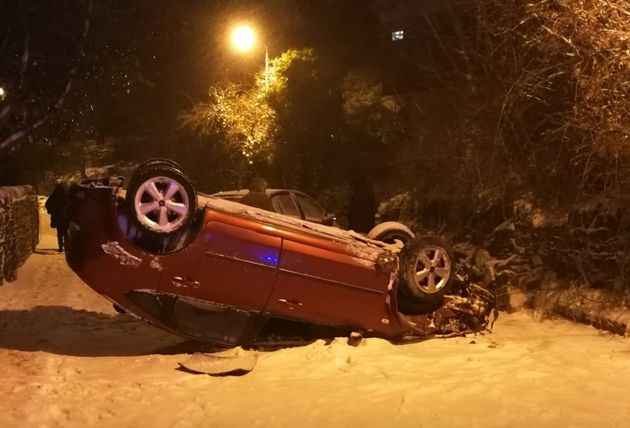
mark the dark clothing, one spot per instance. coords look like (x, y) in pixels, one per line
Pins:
(61, 236)
(362, 207)
(258, 200)
(56, 206)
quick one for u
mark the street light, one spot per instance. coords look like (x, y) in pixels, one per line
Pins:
(244, 39)
(2, 94)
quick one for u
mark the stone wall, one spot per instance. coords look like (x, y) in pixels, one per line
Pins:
(591, 246)
(588, 243)
(19, 228)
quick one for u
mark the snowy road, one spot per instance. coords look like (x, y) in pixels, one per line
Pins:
(69, 360)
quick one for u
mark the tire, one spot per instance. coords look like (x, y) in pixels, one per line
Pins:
(160, 162)
(160, 198)
(427, 268)
(410, 306)
(390, 232)
(119, 309)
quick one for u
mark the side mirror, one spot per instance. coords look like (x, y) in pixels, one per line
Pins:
(330, 219)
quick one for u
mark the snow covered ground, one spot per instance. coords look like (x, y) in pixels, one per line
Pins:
(69, 360)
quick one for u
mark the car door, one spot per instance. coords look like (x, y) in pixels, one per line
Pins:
(223, 278)
(310, 209)
(319, 281)
(284, 203)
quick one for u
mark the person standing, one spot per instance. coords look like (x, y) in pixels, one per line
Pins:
(362, 205)
(57, 206)
(256, 197)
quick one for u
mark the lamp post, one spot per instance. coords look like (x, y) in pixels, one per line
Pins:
(244, 39)
(266, 67)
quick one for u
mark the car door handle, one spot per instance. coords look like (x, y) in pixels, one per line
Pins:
(291, 303)
(178, 282)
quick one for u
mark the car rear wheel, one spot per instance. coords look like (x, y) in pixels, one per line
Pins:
(427, 268)
(390, 232)
(161, 198)
(160, 162)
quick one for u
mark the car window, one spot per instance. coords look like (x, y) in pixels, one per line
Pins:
(283, 204)
(312, 211)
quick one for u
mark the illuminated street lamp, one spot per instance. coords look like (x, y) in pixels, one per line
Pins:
(2, 94)
(244, 39)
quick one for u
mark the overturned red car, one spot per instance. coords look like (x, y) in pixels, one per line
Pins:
(219, 271)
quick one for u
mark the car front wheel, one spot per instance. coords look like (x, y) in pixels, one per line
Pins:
(427, 268)
(161, 198)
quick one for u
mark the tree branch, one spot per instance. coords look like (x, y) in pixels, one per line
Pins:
(15, 137)
(25, 49)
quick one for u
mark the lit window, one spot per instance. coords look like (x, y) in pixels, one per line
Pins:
(398, 35)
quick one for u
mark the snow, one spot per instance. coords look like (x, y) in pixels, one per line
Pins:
(121, 255)
(13, 194)
(598, 307)
(69, 360)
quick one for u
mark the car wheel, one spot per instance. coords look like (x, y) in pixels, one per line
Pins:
(426, 268)
(161, 198)
(158, 162)
(390, 232)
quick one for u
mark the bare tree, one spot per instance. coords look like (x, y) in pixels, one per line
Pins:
(569, 74)
(16, 121)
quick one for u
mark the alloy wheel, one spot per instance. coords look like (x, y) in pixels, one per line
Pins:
(433, 269)
(161, 204)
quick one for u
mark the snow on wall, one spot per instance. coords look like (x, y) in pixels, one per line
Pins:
(19, 228)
